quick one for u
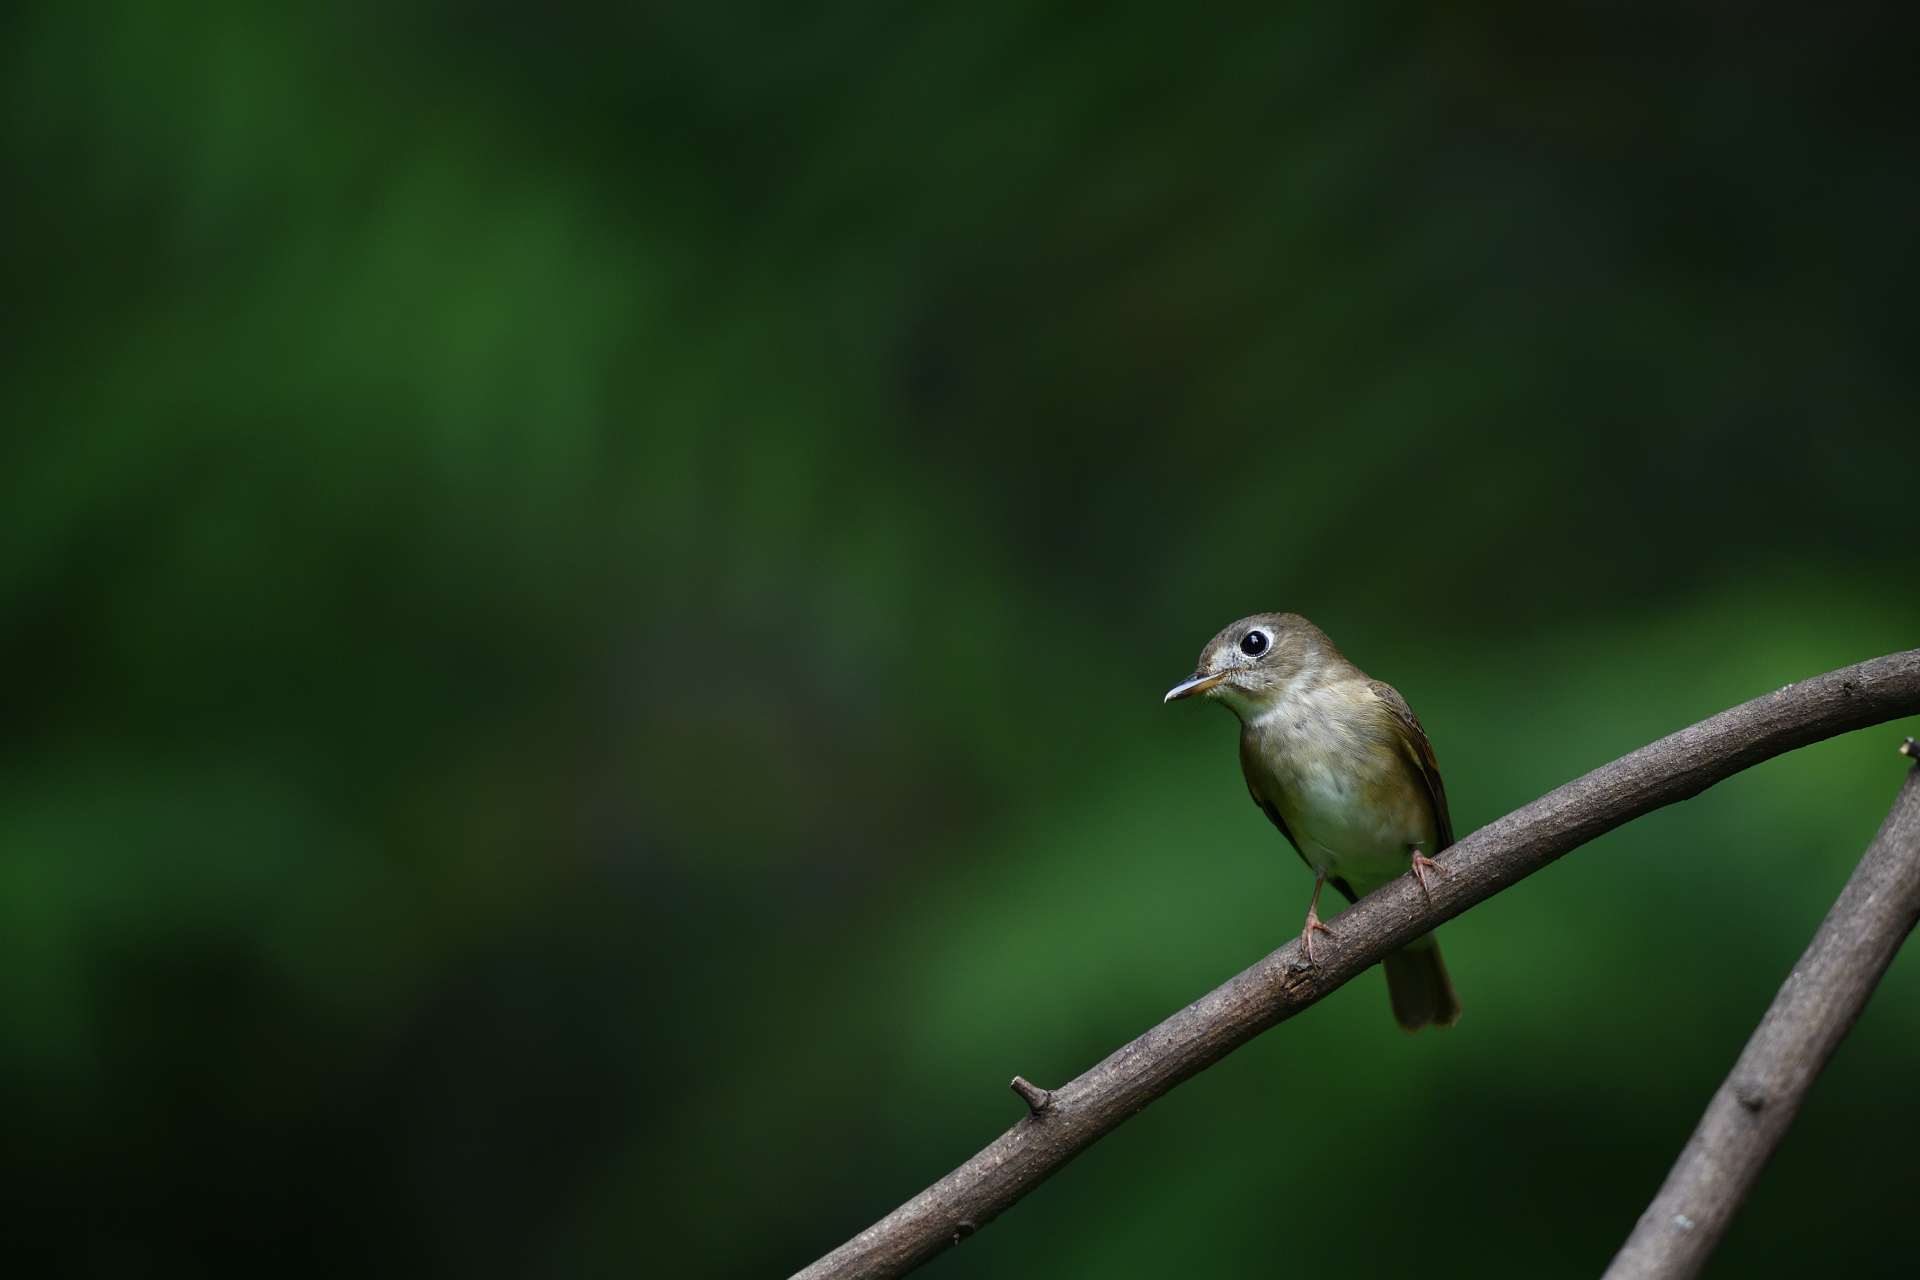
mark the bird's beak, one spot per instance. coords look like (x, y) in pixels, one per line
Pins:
(1193, 684)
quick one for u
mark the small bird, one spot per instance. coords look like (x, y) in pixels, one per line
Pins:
(1341, 765)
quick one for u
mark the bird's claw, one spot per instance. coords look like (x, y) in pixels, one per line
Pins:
(1421, 865)
(1307, 931)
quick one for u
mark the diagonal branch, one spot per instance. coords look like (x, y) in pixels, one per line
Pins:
(1498, 855)
(1813, 1012)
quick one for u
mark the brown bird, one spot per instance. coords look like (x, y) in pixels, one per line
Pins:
(1341, 765)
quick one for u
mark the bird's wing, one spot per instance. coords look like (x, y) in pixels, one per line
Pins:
(1414, 739)
(1273, 816)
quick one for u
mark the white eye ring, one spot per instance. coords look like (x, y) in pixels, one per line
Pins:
(1254, 643)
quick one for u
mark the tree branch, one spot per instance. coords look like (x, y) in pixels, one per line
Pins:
(1498, 855)
(1816, 1007)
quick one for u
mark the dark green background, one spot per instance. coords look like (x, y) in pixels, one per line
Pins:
(586, 598)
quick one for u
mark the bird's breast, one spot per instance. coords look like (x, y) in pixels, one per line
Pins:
(1340, 779)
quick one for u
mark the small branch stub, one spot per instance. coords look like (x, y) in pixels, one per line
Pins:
(1038, 1099)
(1911, 749)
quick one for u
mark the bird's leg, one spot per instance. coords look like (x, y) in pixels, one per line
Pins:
(1421, 865)
(1313, 924)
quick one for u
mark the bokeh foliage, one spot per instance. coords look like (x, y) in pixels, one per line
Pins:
(587, 591)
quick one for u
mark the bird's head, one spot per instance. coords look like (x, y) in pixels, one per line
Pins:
(1250, 664)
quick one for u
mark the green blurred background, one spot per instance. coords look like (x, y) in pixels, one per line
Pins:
(587, 595)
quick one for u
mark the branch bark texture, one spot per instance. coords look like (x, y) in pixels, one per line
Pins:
(1816, 1007)
(1493, 858)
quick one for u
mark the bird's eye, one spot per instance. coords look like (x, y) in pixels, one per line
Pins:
(1254, 643)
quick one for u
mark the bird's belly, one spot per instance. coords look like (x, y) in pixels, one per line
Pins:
(1355, 827)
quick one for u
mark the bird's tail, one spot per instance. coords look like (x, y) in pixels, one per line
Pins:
(1418, 985)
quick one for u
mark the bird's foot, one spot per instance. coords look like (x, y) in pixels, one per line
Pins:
(1311, 927)
(1421, 865)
